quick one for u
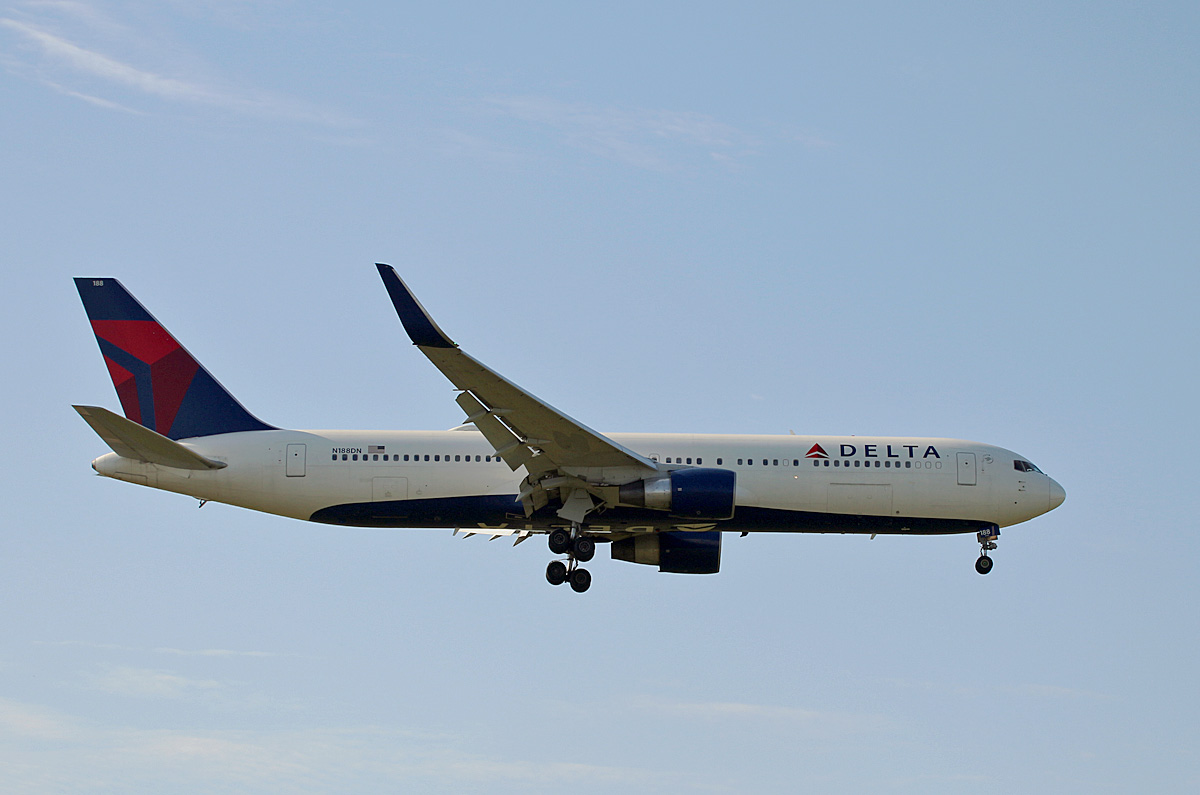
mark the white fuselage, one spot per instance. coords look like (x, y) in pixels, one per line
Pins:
(453, 479)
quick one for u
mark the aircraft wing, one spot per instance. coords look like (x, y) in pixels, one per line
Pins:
(524, 430)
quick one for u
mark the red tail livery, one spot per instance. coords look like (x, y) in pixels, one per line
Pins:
(160, 385)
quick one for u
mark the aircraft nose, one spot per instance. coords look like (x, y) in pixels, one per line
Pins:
(1057, 494)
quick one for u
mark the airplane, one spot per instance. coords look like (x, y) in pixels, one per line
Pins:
(517, 467)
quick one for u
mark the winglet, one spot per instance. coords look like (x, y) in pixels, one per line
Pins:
(417, 322)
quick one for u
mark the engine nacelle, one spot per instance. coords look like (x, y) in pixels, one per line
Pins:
(674, 552)
(699, 493)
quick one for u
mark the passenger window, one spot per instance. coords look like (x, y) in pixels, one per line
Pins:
(826, 462)
(689, 460)
(775, 462)
(718, 461)
(354, 457)
(375, 457)
(764, 462)
(795, 462)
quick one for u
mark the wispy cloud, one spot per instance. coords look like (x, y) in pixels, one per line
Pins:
(650, 139)
(102, 66)
(149, 683)
(107, 104)
(811, 721)
(63, 62)
(46, 750)
(1039, 691)
(30, 721)
(160, 650)
(213, 653)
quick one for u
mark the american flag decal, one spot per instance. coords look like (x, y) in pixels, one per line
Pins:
(375, 448)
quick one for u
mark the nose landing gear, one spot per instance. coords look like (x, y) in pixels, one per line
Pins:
(578, 549)
(987, 542)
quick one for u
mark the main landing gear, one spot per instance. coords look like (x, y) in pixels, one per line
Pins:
(579, 549)
(987, 542)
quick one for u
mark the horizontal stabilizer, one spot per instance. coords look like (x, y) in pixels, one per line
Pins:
(128, 439)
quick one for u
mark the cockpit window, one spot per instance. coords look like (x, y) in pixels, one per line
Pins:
(1024, 466)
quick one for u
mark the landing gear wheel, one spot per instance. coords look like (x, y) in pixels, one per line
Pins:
(581, 580)
(584, 549)
(556, 572)
(987, 542)
(560, 541)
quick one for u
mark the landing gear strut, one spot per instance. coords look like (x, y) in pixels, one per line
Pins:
(987, 542)
(579, 549)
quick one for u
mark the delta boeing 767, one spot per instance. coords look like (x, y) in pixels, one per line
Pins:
(519, 467)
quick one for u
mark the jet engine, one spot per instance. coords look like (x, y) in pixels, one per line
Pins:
(672, 551)
(699, 493)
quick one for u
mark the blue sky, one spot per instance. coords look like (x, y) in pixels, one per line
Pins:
(949, 219)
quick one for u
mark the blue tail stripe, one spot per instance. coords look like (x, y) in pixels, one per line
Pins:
(209, 409)
(141, 378)
(107, 299)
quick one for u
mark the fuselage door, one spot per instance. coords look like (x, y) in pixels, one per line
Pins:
(295, 460)
(966, 469)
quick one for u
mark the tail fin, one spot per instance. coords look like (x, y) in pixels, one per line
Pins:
(160, 385)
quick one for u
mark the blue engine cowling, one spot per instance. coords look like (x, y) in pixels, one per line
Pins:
(672, 551)
(699, 493)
